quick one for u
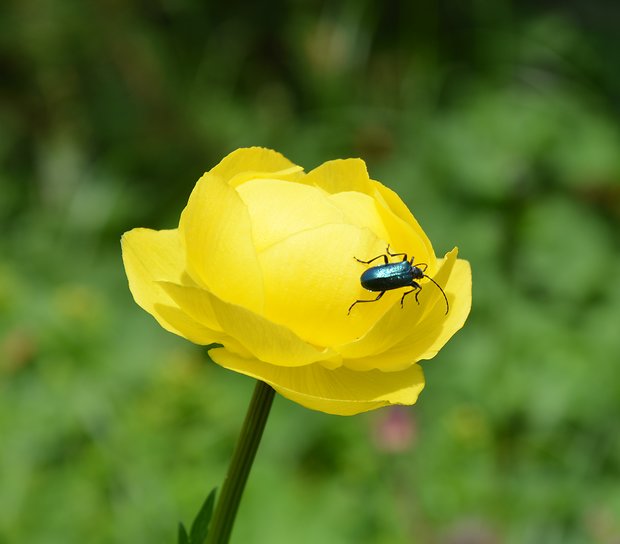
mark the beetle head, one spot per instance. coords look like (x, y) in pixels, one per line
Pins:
(417, 273)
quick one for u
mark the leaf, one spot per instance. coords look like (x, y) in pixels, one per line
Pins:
(182, 535)
(200, 526)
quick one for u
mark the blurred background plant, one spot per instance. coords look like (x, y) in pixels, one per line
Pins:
(498, 124)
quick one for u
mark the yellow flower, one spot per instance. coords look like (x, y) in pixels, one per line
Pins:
(263, 263)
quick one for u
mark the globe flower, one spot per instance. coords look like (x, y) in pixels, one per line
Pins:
(265, 264)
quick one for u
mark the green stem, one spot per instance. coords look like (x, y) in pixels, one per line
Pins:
(240, 464)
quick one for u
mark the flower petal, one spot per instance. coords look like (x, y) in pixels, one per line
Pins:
(265, 340)
(427, 334)
(312, 278)
(396, 324)
(436, 327)
(398, 207)
(339, 176)
(280, 208)
(405, 233)
(194, 301)
(182, 325)
(360, 210)
(340, 392)
(150, 256)
(221, 256)
(252, 163)
(395, 223)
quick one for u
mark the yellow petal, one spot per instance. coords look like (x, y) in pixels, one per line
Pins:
(268, 341)
(217, 232)
(194, 301)
(280, 208)
(339, 176)
(391, 346)
(293, 174)
(340, 392)
(396, 324)
(390, 219)
(312, 278)
(263, 339)
(441, 328)
(181, 324)
(360, 210)
(252, 163)
(398, 207)
(150, 256)
(405, 233)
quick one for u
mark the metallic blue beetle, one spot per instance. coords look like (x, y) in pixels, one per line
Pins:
(389, 276)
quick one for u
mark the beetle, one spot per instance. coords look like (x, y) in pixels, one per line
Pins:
(389, 276)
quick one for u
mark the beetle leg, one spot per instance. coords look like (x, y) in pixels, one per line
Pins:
(385, 259)
(404, 255)
(417, 292)
(371, 300)
(416, 289)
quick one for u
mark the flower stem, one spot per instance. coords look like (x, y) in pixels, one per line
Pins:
(240, 464)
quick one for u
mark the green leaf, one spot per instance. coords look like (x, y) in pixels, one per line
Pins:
(200, 526)
(182, 535)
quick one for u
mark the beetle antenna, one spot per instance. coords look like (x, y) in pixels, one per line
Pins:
(442, 292)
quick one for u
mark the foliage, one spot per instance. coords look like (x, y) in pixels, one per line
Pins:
(498, 125)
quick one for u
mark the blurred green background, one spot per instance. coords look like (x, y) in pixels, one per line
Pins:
(497, 122)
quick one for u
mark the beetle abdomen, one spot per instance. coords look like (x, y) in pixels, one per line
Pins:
(387, 276)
